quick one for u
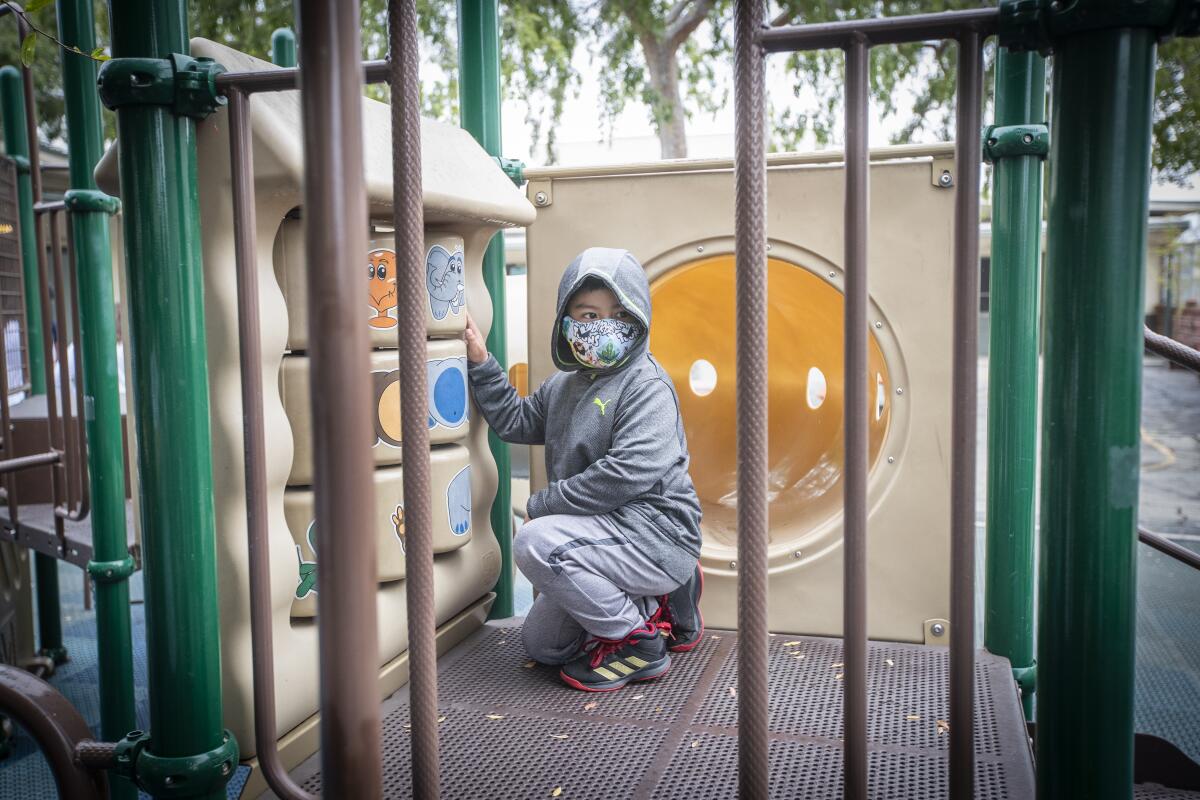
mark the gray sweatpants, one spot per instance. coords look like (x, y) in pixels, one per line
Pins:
(591, 582)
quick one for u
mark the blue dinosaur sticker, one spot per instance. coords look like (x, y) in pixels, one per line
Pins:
(445, 280)
(458, 502)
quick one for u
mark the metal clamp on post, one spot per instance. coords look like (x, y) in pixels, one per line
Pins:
(22, 164)
(514, 168)
(187, 85)
(1037, 24)
(181, 776)
(80, 200)
(1026, 678)
(1007, 141)
(111, 571)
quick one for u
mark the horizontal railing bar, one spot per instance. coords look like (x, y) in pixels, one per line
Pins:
(896, 152)
(1172, 350)
(1165, 546)
(281, 80)
(26, 462)
(49, 207)
(880, 30)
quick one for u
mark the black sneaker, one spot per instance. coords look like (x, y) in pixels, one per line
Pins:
(608, 665)
(681, 609)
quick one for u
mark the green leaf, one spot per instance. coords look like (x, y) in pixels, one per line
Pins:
(28, 45)
(37, 5)
(99, 54)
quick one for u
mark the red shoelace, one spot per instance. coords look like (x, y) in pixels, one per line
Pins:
(603, 648)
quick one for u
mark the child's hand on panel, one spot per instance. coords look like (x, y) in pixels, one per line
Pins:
(476, 347)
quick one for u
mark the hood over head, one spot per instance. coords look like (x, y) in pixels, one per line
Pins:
(621, 273)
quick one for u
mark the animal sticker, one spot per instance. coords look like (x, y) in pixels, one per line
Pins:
(398, 525)
(306, 583)
(447, 392)
(381, 286)
(458, 502)
(445, 280)
(448, 404)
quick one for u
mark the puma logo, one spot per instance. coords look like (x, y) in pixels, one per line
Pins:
(602, 403)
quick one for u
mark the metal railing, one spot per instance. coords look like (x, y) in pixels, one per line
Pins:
(855, 37)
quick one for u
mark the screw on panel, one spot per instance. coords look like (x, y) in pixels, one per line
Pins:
(798, 553)
(733, 565)
(832, 274)
(768, 245)
(891, 459)
(946, 178)
(937, 629)
(899, 390)
(878, 324)
(699, 248)
(541, 198)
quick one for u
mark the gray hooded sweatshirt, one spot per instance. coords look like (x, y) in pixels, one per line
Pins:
(614, 437)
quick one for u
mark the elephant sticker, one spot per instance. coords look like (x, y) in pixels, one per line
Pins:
(447, 392)
(381, 286)
(306, 584)
(458, 502)
(445, 280)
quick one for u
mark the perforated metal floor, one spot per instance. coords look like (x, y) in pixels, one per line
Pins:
(511, 730)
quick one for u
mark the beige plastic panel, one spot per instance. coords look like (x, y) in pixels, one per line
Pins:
(687, 254)
(465, 194)
(450, 479)
(448, 403)
(444, 280)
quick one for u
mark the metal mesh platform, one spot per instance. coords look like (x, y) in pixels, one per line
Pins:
(514, 730)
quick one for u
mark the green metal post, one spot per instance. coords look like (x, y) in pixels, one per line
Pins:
(16, 142)
(1012, 374)
(166, 313)
(1098, 188)
(479, 101)
(111, 564)
(283, 47)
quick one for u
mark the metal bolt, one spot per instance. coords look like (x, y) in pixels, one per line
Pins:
(899, 390)
(946, 179)
(699, 248)
(991, 143)
(108, 573)
(733, 565)
(226, 768)
(832, 274)
(541, 198)
(891, 459)
(1027, 138)
(878, 324)
(798, 553)
(768, 245)
(169, 780)
(937, 629)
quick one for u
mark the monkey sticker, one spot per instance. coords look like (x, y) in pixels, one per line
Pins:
(381, 286)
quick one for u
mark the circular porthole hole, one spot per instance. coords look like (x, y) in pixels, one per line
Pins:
(702, 377)
(817, 388)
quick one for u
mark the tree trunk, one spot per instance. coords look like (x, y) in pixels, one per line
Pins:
(669, 119)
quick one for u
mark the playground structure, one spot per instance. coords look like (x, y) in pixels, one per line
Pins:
(222, 463)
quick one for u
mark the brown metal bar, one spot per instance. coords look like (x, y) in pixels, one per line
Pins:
(409, 224)
(66, 419)
(962, 419)
(49, 207)
(80, 466)
(854, 539)
(9, 482)
(262, 647)
(1165, 546)
(25, 462)
(280, 80)
(1174, 351)
(53, 439)
(981, 22)
(750, 256)
(335, 230)
(57, 728)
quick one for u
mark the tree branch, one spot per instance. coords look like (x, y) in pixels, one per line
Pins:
(682, 29)
(675, 11)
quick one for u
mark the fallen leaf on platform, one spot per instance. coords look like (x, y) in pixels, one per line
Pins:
(559, 736)
(502, 641)
(557, 792)
(732, 691)
(638, 696)
(407, 726)
(798, 655)
(913, 717)
(942, 726)
(590, 706)
(495, 716)
(838, 677)
(530, 664)
(889, 662)
(658, 709)
(695, 743)
(442, 718)
(838, 665)
(792, 644)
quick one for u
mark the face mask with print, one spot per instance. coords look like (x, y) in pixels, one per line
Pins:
(600, 342)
